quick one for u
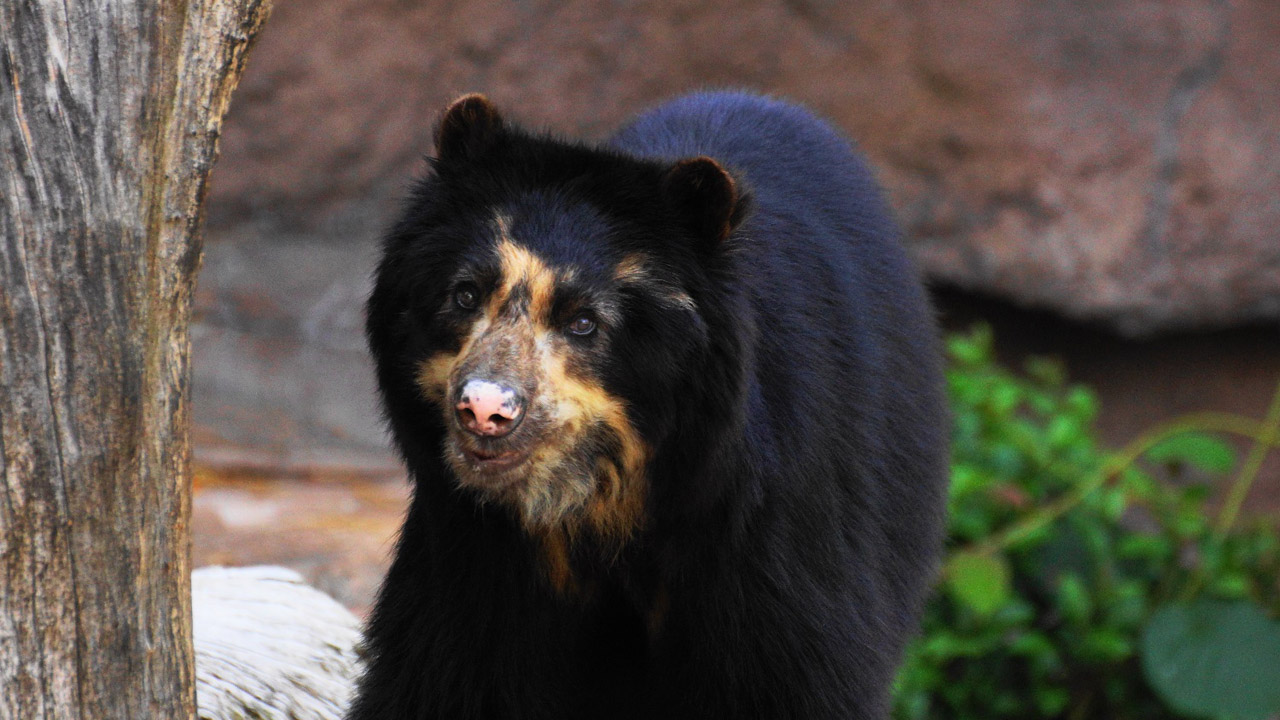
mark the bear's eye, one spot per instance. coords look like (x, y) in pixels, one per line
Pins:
(467, 296)
(582, 324)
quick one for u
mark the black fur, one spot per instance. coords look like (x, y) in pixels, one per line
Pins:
(796, 421)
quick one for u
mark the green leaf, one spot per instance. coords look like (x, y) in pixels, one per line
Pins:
(1105, 645)
(1030, 644)
(1232, 584)
(1142, 485)
(1051, 701)
(1144, 546)
(1199, 450)
(973, 348)
(1127, 607)
(1215, 659)
(1004, 400)
(978, 581)
(1073, 599)
(1189, 522)
(1082, 402)
(966, 479)
(1064, 431)
(1113, 503)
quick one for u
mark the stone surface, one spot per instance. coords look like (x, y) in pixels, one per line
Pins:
(1111, 161)
(282, 382)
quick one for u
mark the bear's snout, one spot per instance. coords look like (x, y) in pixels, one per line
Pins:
(488, 408)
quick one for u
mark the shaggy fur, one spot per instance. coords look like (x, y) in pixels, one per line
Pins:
(730, 498)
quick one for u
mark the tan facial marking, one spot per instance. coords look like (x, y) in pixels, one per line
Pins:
(436, 372)
(617, 499)
(632, 269)
(635, 270)
(567, 486)
(433, 375)
(518, 266)
(606, 495)
(521, 267)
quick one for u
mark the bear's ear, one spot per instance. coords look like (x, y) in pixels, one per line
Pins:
(703, 193)
(469, 126)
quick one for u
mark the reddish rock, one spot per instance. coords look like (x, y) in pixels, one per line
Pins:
(1112, 161)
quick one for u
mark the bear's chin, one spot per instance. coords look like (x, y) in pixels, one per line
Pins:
(542, 484)
(487, 470)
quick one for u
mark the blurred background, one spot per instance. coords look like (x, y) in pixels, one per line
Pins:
(1096, 181)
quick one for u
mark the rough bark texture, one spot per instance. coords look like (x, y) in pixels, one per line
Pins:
(109, 117)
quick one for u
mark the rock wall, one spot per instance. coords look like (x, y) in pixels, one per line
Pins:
(1111, 161)
(1108, 161)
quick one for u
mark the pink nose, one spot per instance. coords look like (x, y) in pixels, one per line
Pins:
(487, 408)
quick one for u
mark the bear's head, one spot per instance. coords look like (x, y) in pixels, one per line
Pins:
(543, 321)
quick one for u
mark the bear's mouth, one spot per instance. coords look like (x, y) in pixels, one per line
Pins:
(493, 460)
(491, 463)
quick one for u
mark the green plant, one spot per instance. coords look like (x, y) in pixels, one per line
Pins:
(1086, 583)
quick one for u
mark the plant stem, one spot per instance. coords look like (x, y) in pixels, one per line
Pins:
(1267, 438)
(1268, 433)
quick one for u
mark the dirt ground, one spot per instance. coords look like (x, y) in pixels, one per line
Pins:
(336, 529)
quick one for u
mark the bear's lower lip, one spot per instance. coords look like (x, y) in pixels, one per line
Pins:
(494, 461)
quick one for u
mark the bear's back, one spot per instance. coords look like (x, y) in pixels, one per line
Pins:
(842, 457)
(790, 159)
(820, 259)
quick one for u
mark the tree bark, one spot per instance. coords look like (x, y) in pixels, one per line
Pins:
(109, 117)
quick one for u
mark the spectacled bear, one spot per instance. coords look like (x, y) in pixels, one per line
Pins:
(672, 409)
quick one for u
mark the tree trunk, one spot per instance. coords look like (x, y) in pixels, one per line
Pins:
(109, 116)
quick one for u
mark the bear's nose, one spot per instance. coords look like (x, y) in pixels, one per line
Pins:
(489, 408)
